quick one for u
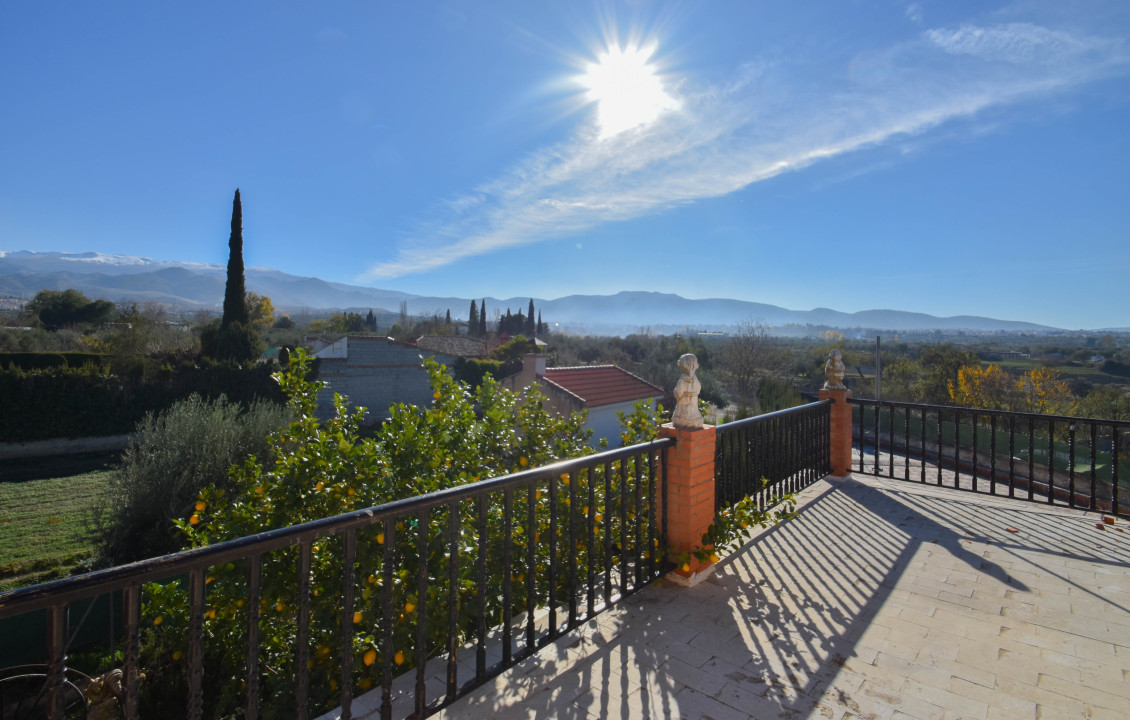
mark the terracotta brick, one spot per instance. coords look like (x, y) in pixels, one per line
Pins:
(690, 491)
(840, 435)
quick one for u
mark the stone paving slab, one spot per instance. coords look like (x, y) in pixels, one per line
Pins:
(883, 599)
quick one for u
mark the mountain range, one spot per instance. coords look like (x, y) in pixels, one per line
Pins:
(124, 278)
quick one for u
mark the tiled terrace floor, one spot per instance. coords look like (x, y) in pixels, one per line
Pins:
(884, 599)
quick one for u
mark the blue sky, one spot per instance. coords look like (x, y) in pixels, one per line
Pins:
(940, 157)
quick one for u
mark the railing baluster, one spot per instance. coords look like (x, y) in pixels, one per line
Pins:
(957, 448)
(857, 431)
(507, 574)
(481, 592)
(57, 659)
(421, 612)
(938, 467)
(1051, 462)
(1114, 470)
(387, 568)
(552, 558)
(891, 442)
(1092, 499)
(637, 522)
(302, 682)
(196, 643)
(347, 592)
(878, 462)
(623, 529)
(653, 568)
(131, 609)
(531, 566)
(572, 501)
(922, 447)
(1071, 464)
(1012, 456)
(590, 546)
(906, 444)
(1031, 457)
(453, 535)
(974, 430)
(607, 519)
(992, 454)
(254, 594)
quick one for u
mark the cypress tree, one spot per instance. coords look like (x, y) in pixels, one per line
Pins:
(473, 319)
(235, 294)
(531, 329)
(483, 317)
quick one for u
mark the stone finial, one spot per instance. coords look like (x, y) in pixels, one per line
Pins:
(687, 415)
(834, 372)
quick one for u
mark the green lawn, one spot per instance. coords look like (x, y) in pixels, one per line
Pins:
(44, 515)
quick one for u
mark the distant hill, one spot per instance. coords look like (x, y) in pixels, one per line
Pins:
(126, 278)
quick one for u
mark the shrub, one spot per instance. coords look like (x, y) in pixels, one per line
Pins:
(175, 454)
(318, 469)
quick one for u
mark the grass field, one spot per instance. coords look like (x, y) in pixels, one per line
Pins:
(44, 515)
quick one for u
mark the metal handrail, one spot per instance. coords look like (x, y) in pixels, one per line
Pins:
(55, 596)
(992, 469)
(772, 455)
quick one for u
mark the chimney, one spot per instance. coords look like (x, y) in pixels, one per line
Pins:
(533, 367)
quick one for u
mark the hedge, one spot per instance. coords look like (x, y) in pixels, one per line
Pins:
(87, 401)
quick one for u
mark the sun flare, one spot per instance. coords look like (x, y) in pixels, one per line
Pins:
(626, 88)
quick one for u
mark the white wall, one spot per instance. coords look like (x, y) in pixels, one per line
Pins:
(604, 423)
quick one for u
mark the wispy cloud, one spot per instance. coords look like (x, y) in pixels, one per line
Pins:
(760, 123)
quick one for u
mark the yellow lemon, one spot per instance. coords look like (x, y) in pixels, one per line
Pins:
(194, 520)
(320, 485)
(370, 658)
(357, 616)
(686, 567)
(200, 505)
(178, 655)
(157, 620)
(714, 557)
(380, 538)
(398, 658)
(409, 607)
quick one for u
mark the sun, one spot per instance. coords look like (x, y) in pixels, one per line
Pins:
(626, 88)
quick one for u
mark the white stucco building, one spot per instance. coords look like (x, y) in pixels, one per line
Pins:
(602, 390)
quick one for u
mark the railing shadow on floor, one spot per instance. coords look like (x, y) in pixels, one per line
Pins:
(778, 621)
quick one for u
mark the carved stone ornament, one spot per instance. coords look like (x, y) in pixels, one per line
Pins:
(687, 415)
(834, 372)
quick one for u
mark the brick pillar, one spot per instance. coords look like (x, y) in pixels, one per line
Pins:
(690, 495)
(840, 431)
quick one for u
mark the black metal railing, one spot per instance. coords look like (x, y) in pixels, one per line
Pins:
(771, 455)
(472, 579)
(1054, 459)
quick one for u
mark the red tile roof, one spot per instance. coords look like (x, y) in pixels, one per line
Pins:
(600, 385)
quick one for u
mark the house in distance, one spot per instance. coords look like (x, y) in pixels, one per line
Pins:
(602, 390)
